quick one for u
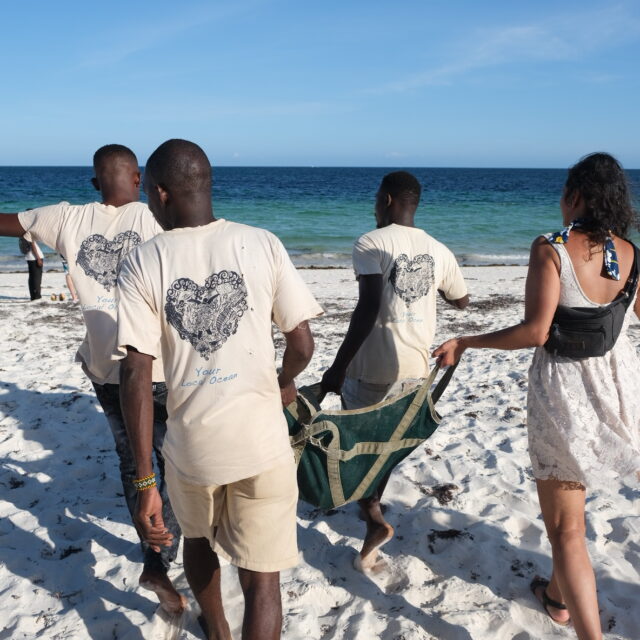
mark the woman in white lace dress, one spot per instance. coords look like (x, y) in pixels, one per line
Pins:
(583, 415)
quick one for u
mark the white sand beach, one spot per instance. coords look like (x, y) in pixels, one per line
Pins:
(468, 533)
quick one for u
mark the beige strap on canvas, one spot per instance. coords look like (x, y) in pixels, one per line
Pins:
(396, 437)
(383, 450)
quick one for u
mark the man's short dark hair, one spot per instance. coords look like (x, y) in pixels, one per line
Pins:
(180, 166)
(111, 151)
(402, 186)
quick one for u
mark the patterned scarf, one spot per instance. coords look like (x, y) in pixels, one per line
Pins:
(610, 255)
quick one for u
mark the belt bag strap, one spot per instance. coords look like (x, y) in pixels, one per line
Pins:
(632, 283)
(584, 332)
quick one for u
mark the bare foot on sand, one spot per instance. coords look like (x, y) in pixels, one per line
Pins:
(373, 565)
(170, 600)
(377, 534)
(223, 633)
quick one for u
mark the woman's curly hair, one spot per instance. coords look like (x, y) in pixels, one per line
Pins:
(600, 180)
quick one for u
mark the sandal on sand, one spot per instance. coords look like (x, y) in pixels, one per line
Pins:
(546, 601)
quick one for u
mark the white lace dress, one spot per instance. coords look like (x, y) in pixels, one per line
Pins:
(583, 416)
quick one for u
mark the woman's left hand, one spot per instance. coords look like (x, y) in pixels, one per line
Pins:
(449, 352)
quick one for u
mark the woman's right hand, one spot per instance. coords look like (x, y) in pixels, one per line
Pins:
(449, 352)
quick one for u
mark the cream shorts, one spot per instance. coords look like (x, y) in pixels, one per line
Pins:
(251, 523)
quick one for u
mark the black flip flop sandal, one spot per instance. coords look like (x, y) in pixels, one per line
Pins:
(546, 601)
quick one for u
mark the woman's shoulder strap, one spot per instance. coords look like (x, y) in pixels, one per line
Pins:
(551, 238)
(635, 268)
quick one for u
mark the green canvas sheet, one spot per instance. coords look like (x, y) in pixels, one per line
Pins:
(343, 455)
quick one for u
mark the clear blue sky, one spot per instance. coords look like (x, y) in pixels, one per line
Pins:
(343, 83)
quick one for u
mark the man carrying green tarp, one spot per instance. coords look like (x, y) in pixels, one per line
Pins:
(399, 268)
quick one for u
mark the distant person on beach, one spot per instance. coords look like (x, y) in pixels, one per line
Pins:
(35, 263)
(96, 237)
(385, 352)
(68, 279)
(203, 296)
(583, 409)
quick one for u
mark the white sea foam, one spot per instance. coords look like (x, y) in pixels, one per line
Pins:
(323, 260)
(497, 259)
(343, 260)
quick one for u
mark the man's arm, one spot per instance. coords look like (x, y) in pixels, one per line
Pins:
(136, 401)
(362, 321)
(460, 303)
(71, 287)
(541, 300)
(297, 355)
(34, 250)
(10, 225)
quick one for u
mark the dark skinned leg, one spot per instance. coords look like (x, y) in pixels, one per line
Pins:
(154, 573)
(202, 568)
(156, 564)
(379, 531)
(154, 578)
(262, 605)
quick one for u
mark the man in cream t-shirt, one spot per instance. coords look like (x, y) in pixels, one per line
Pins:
(206, 293)
(400, 271)
(95, 237)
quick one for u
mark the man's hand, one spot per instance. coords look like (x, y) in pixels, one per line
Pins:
(332, 380)
(288, 393)
(136, 402)
(148, 519)
(34, 250)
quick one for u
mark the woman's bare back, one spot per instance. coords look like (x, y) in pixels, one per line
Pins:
(588, 264)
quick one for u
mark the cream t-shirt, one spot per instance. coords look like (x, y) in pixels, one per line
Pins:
(204, 298)
(94, 238)
(413, 266)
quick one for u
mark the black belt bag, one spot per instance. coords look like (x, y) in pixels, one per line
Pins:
(586, 332)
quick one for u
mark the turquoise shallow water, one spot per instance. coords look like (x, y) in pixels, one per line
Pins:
(486, 216)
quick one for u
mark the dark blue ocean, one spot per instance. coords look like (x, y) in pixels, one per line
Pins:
(486, 216)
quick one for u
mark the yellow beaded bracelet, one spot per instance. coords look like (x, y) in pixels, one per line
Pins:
(148, 482)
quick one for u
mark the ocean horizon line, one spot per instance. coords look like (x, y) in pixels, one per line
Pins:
(484, 216)
(319, 166)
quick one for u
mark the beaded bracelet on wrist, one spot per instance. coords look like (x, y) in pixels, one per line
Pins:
(148, 482)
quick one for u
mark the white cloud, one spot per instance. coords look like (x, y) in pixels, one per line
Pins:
(113, 47)
(563, 37)
(207, 111)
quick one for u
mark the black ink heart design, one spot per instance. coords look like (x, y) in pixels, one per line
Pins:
(412, 279)
(206, 316)
(100, 258)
